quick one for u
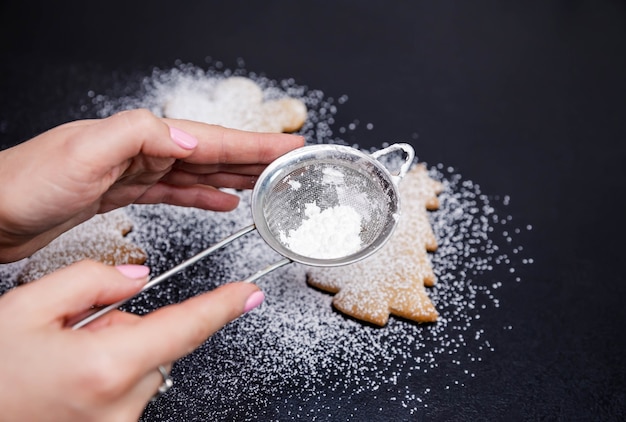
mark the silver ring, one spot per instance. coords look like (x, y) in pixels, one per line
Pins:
(168, 382)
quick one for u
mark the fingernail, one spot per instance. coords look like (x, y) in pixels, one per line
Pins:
(134, 271)
(254, 300)
(183, 139)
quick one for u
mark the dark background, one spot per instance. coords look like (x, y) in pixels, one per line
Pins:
(526, 98)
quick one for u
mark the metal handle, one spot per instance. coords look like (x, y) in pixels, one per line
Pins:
(153, 282)
(408, 161)
(267, 269)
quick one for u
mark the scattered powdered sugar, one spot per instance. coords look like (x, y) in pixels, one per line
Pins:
(295, 185)
(325, 234)
(294, 357)
(164, 87)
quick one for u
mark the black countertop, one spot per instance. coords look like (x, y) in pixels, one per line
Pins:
(527, 99)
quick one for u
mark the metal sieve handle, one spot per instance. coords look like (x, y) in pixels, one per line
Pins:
(409, 157)
(153, 282)
(254, 277)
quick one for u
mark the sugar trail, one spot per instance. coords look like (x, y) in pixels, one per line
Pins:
(294, 358)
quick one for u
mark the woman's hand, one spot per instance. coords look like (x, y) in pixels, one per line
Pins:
(70, 173)
(106, 371)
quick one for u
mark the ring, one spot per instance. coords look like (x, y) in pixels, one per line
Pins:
(168, 382)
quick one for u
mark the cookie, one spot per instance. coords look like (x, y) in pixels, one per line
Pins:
(236, 102)
(102, 238)
(393, 280)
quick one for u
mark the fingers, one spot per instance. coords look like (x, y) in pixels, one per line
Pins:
(174, 331)
(208, 156)
(239, 169)
(198, 196)
(219, 180)
(126, 134)
(129, 133)
(148, 387)
(230, 146)
(109, 319)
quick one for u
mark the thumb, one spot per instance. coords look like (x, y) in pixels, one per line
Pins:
(66, 293)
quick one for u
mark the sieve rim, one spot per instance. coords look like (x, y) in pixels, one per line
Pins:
(278, 169)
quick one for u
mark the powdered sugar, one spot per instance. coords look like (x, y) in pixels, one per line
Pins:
(294, 358)
(333, 176)
(328, 234)
(295, 185)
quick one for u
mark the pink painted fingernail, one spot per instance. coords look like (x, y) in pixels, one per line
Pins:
(254, 300)
(183, 139)
(134, 271)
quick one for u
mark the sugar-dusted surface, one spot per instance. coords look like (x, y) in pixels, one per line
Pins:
(281, 361)
(286, 359)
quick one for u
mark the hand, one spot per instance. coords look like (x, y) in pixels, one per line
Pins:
(72, 172)
(106, 371)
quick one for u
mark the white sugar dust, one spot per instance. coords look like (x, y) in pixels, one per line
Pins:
(325, 234)
(294, 357)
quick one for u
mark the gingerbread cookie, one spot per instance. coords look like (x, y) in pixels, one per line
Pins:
(392, 280)
(236, 102)
(102, 238)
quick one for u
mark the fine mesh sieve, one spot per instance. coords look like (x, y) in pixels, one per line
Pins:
(327, 176)
(323, 176)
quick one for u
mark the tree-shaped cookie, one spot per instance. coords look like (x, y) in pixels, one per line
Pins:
(101, 238)
(236, 102)
(392, 280)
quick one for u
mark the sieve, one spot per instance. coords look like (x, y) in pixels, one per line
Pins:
(326, 177)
